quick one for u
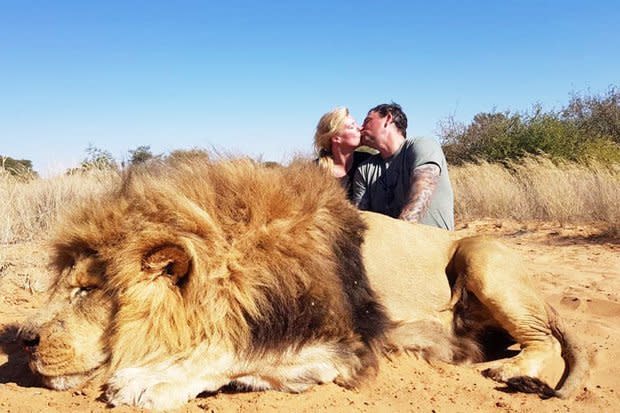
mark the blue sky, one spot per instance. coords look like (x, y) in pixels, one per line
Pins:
(253, 78)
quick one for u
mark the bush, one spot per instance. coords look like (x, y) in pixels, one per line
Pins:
(99, 159)
(588, 128)
(596, 116)
(141, 154)
(19, 168)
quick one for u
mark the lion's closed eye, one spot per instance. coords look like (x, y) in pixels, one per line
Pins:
(84, 274)
(78, 293)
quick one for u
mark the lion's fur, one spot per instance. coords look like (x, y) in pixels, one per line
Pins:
(195, 273)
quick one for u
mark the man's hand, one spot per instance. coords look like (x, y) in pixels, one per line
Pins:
(423, 183)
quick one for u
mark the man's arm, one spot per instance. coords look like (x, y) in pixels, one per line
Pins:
(423, 184)
(359, 198)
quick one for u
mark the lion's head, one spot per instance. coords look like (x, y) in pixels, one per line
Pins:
(231, 257)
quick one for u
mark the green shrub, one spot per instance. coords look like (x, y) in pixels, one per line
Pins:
(19, 168)
(596, 116)
(588, 128)
(98, 159)
(603, 150)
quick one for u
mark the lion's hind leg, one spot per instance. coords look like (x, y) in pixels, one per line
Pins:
(495, 275)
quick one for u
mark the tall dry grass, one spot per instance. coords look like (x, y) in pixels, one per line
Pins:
(534, 189)
(29, 208)
(538, 189)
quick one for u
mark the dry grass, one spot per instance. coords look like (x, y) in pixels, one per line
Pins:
(29, 208)
(538, 189)
(534, 189)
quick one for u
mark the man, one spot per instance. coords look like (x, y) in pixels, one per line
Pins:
(408, 178)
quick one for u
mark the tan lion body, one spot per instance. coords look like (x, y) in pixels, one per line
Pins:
(390, 250)
(192, 275)
(483, 267)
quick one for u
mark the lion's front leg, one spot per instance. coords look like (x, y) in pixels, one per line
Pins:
(169, 384)
(143, 387)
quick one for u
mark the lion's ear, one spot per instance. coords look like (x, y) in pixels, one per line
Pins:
(169, 260)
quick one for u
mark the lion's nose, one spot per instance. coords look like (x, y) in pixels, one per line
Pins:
(30, 341)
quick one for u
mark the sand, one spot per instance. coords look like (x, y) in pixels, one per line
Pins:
(576, 268)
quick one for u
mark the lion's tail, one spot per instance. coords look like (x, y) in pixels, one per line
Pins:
(431, 341)
(575, 357)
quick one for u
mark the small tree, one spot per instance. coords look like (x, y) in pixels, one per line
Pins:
(488, 137)
(98, 158)
(597, 116)
(17, 167)
(140, 155)
(184, 155)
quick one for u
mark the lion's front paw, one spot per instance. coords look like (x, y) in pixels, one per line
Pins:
(525, 364)
(134, 388)
(518, 378)
(502, 373)
(544, 364)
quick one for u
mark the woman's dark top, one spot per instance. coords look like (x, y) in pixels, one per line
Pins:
(347, 180)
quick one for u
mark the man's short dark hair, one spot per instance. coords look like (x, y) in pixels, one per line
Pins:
(398, 116)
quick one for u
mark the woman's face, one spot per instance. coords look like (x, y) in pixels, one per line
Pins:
(349, 135)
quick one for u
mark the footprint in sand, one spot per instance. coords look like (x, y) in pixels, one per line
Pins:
(603, 308)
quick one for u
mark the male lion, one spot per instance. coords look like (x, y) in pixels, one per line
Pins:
(195, 274)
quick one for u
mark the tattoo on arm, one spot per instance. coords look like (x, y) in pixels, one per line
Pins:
(423, 184)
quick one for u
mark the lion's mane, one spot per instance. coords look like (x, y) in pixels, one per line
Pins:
(229, 253)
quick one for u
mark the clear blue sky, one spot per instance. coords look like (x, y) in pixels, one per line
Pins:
(253, 77)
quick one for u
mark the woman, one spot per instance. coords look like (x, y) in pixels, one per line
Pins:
(336, 138)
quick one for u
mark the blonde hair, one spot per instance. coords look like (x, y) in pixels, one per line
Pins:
(329, 124)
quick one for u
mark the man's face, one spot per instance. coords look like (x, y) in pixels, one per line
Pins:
(373, 129)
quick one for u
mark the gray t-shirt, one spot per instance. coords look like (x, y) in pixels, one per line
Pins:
(383, 185)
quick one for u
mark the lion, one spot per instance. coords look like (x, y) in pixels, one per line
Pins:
(194, 274)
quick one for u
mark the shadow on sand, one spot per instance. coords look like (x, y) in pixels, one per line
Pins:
(15, 370)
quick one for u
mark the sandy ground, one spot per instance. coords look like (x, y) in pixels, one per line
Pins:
(577, 269)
